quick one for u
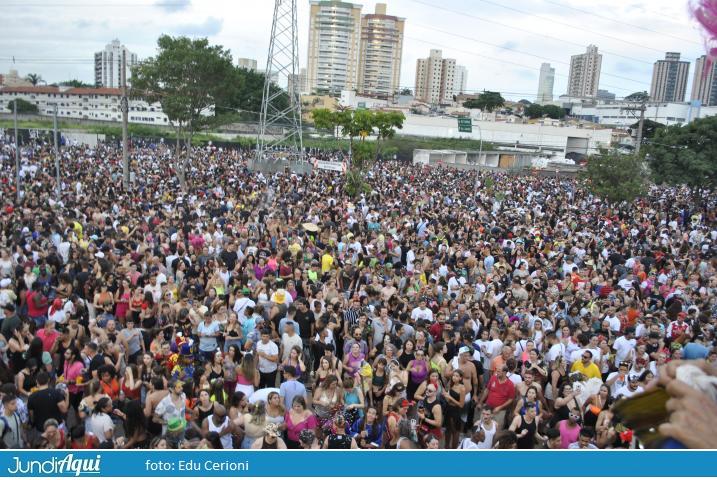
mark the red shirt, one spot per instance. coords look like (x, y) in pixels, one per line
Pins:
(436, 331)
(499, 393)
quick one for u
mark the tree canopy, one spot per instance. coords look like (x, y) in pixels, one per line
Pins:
(34, 78)
(23, 106)
(616, 177)
(486, 101)
(685, 154)
(187, 77)
(74, 83)
(539, 111)
(649, 128)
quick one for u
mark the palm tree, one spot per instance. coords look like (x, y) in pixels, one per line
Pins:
(34, 78)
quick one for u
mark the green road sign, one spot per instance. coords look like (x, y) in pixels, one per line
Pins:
(465, 125)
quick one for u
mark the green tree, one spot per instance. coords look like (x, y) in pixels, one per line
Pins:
(649, 128)
(34, 78)
(486, 101)
(406, 91)
(23, 107)
(243, 95)
(685, 154)
(187, 77)
(554, 112)
(616, 177)
(386, 124)
(638, 97)
(533, 111)
(74, 83)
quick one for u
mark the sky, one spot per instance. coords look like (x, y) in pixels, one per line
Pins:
(501, 42)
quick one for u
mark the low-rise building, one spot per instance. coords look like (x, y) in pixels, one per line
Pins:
(101, 104)
(615, 114)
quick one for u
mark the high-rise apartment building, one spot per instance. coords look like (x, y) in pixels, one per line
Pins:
(300, 80)
(461, 81)
(438, 79)
(381, 50)
(704, 84)
(108, 65)
(546, 81)
(669, 79)
(584, 77)
(334, 40)
(247, 63)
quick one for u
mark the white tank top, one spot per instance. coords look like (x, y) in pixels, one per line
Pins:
(225, 439)
(489, 434)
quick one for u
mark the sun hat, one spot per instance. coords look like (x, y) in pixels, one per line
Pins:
(271, 429)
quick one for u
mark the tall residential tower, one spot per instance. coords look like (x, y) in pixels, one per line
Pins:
(381, 51)
(545, 84)
(584, 77)
(334, 39)
(108, 65)
(669, 79)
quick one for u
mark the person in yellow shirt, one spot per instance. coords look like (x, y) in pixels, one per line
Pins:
(586, 366)
(326, 262)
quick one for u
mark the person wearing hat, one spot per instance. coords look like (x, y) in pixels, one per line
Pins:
(242, 302)
(271, 439)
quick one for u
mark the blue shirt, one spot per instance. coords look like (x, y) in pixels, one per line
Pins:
(282, 325)
(289, 390)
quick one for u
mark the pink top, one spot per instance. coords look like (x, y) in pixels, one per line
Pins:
(293, 431)
(568, 434)
(242, 380)
(71, 372)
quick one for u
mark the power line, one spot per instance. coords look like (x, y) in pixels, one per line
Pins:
(562, 5)
(526, 53)
(529, 67)
(581, 28)
(504, 25)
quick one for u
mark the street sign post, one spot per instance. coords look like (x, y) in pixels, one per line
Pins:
(465, 125)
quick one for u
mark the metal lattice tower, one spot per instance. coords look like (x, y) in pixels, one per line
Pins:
(280, 125)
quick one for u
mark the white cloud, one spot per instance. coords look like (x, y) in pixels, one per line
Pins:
(547, 30)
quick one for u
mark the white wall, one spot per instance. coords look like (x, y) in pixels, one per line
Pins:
(510, 133)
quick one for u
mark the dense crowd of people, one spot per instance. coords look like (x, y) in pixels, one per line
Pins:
(244, 310)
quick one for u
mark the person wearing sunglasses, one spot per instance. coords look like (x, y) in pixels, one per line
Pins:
(586, 366)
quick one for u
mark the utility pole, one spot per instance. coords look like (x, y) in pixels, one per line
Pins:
(17, 156)
(124, 104)
(641, 99)
(640, 127)
(57, 155)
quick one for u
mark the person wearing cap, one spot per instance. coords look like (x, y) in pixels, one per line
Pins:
(242, 302)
